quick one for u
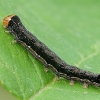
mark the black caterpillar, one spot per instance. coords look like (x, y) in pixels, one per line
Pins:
(48, 58)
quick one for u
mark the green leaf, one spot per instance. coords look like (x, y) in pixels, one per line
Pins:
(71, 28)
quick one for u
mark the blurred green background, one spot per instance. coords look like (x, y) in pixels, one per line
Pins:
(71, 28)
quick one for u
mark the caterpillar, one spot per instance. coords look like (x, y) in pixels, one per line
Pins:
(47, 57)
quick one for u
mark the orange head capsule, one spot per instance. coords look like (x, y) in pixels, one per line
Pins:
(12, 23)
(6, 20)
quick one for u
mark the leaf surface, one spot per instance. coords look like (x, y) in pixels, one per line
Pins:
(69, 28)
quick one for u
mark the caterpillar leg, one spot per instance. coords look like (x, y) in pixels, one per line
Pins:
(56, 78)
(85, 85)
(14, 41)
(49, 66)
(72, 82)
(6, 31)
(46, 69)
